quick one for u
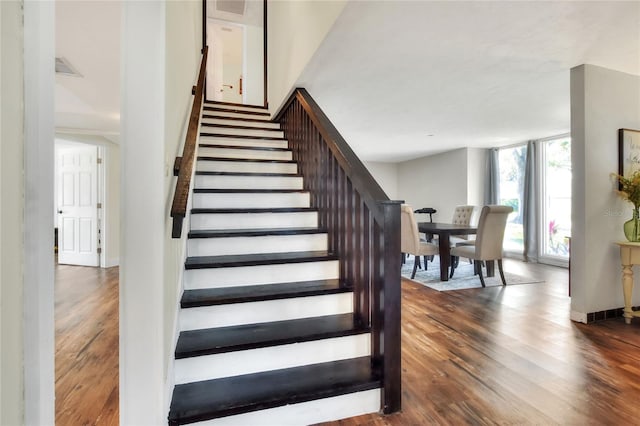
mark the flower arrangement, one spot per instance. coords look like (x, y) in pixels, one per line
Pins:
(630, 191)
(630, 188)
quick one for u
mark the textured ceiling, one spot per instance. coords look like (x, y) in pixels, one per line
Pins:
(402, 80)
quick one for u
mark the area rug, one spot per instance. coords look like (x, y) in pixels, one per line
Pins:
(463, 277)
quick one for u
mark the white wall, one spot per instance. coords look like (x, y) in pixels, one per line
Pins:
(253, 81)
(295, 30)
(602, 101)
(476, 177)
(386, 174)
(438, 181)
(183, 45)
(11, 215)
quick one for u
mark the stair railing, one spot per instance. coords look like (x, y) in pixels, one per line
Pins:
(363, 226)
(183, 166)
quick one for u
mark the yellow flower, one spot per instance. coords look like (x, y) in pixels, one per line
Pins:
(629, 187)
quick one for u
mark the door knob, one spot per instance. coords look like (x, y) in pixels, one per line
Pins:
(59, 211)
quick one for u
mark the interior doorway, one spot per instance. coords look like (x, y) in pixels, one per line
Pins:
(236, 66)
(76, 201)
(226, 61)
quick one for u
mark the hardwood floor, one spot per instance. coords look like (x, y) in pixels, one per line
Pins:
(480, 356)
(86, 332)
(512, 356)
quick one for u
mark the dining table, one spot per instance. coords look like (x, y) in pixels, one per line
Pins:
(444, 231)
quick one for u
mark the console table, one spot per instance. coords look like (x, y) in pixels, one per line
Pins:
(629, 256)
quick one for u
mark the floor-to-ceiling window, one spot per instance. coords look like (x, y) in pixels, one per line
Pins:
(552, 197)
(555, 198)
(511, 162)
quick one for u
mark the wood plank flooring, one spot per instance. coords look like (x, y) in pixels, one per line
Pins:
(480, 356)
(512, 356)
(86, 331)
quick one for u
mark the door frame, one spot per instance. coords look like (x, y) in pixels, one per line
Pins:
(62, 140)
(102, 188)
(264, 41)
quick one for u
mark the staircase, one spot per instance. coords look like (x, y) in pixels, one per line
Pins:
(268, 334)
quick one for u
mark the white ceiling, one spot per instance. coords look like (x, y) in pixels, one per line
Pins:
(391, 73)
(88, 36)
(471, 74)
(253, 12)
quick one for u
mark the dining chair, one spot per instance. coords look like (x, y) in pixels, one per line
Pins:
(410, 241)
(462, 215)
(488, 244)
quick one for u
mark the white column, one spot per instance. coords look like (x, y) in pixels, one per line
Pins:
(602, 101)
(142, 213)
(39, 53)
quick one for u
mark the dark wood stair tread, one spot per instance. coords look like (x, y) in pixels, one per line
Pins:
(255, 210)
(245, 160)
(248, 148)
(233, 104)
(200, 262)
(235, 111)
(259, 293)
(224, 135)
(252, 336)
(234, 126)
(262, 232)
(248, 191)
(205, 173)
(216, 398)
(221, 117)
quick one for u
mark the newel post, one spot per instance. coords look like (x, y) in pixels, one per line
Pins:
(388, 310)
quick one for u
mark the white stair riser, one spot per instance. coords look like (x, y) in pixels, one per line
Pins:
(265, 311)
(243, 132)
(264, 143)
(203, 221)
(250, 154)
(251, 200)
(306, 413)
(260, 274)
(216, 366)
(236, 107)
(248, 182)
(222, 121)
(250, 245)
(246, 167)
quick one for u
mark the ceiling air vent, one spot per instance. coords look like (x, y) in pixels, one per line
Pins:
(65, 68)
(231, 6)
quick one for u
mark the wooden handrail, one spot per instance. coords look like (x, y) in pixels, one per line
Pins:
(187, 161)
(363, 229)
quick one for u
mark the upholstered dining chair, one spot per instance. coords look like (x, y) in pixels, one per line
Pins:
(462, 215)
(488, 245)
(410, 241)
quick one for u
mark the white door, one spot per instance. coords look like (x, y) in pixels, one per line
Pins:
(77, 205)
(225, 61)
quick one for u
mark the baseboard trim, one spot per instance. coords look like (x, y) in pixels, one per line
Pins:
(109, 263)
(592, 317)
(578, 317)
